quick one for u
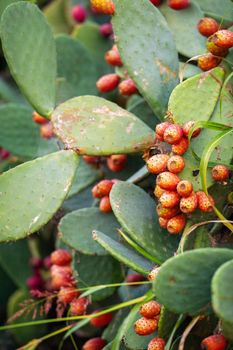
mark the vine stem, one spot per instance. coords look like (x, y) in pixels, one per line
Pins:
(187, 331)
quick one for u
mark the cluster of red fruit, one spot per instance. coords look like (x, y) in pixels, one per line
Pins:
(46, 129)
(36, 282)
(114, 163)
(148, 324)
(176, 197)
(102, 191)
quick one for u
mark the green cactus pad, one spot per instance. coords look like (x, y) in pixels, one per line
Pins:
(4, 4)
(183, 25)
(196, 97)
(58, 16)
(31, 193)
(222, 294)
(135, 210)
(76, 229)
(152, 62)
(222, 9)
(125, 255)
(227, 330)
(183, 282)
(167, 321)
(31, 58)
(92, 125)
(138, 106)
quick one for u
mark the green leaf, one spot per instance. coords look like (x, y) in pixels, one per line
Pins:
(222, 294)
(31, 58)
(223, 9)
(82, 120)
(4, 4)
(151, 63)
(138, 106)
(123, 254)
(76, 229)
(135, 210)
(167, 321)
(183, 282)
(8, 93)
(58, 16)
(31, 193)
(183, 25)
(196, 97)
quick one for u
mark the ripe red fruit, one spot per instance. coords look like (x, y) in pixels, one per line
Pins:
(61, 257)
(78, 307)
(189, 204)
(35, 282)
(157, 163)
(101, 321)
(117, 162)
(79, 13)
(187, 127)
(163, 222)
(135, 277)
(169, 199)
(214, 342)
(4, 154)
(145, 326)
(160, 128)
(47, 262)
(113, 57)
(208, 61)
(150, 309)
(216, 50)
(94, 344)
(175, 164)
(184, 188)
(205, 203)
(168, 181)
(127, 87)
(105, 205)
(166, 213)
(36, 262)
(220, 173)
(158, 191)
(156, 2)
(37, 118)
(61, 270)
(91, 160)
(102, 189)
(106, 7)
(223, 38)
(207, 26)
(178, 4)
(156, 344)
(176, 224)
(173, 134)
(46, 131)
(108, 82)
(61, 276)
(66, 295)
(181, 147)
(106, 30)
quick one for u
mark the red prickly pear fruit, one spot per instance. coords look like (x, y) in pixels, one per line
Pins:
(65, 270)
(127, 87)
(61, 257)
(105, 7)
(223, 38)
(160, 128)
(117, 162)
(169, 199)
(176, 224)
(207, 26)
(157, 163)
(205, 203)
(214, 342)
(35, 282)
(216, 50)
(173, 134)
(47, 262)
(79, 13)
(181, 147)
(166, 213)
(163, 222)
(37, 118)
(158, 191)
(156, 2)
(178, 4)
(184, 188)
(135, 277)
(106, 30)
(94, 344)
(156, 344)
(189, 204)
(158, 137)
(168, 181)
(78, 307)
(102, 189)
(67, 294)
(220, 173)
(145, 326)
(91, 160)
(61, 276)
(46, 131)
(175, 164)
(4, 154)
(153, 274)
(36, 263)
(208, 61)
(105, 205)
(108, 82)
(113, 57)
(150, 309)
(187, 127)
(101, 321)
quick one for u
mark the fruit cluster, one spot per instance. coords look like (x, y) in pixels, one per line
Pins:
(46, 127)
(102, 191)
(176, 196)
